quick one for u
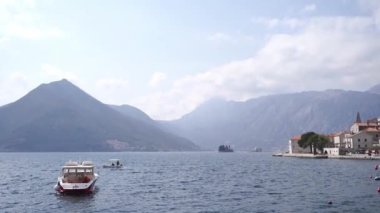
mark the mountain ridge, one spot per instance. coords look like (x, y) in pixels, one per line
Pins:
(269, 121)
(59, 116)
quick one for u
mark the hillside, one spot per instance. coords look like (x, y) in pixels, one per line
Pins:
(61, 117)
(375, 89)
(269, 121)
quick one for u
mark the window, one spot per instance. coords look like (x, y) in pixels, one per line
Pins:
(365, 145)
(359, 146)
(358, 139)
(365, 139)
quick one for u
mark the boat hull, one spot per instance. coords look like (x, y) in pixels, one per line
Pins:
(90, 189)
(112, 167)
(75, 188)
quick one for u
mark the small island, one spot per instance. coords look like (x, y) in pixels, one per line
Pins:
(225, 148)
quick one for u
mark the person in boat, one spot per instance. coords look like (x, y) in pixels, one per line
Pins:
(112, 164)
(117, 163)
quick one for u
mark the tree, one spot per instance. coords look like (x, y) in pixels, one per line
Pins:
(320, 142)
(313, 140)
(304, 141)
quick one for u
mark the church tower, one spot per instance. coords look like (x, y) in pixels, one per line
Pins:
(358, 119)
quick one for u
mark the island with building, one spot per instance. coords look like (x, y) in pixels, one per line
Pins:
(361, 141)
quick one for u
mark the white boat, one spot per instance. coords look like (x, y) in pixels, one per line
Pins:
(77, 178)
(113, 163)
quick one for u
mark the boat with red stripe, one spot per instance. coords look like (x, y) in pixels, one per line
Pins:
(77, 178)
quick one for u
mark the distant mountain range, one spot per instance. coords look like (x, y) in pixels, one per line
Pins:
(375, 89)
(268, 122)
(61, 117)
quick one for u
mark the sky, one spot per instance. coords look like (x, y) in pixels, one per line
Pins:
(167, 57)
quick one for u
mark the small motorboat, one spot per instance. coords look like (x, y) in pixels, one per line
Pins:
(77, 178)
(377, 178)
(113, 164)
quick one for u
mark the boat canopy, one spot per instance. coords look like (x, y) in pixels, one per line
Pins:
(76, 170)
(74, 164)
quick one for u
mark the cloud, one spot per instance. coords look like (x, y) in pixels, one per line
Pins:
(309, 8)
(54, 73)
(373, 6)
(13, 87)
(20, 19)
(331, 23)
(267, 22)
(320, 53)
(32, 32)
(111, 83)
(220, 37)
(16, 84)
(157, 78)
(110, 90)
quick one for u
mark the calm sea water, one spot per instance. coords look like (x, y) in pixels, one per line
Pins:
(192, 182)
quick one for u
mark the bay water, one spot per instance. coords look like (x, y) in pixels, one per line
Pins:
(192, 182)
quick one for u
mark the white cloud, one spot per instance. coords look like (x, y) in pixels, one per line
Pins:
(111, 83)
(267, 22)
(111, 90)
(324, 52)
(372, 6)
(220, 37)
(20, 19)
(32, 32)
(335, 23)
(157, 78)
(309, 8)
(53, 73)
(13, 87)
(233, 38)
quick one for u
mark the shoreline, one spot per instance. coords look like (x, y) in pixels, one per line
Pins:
(348, 157)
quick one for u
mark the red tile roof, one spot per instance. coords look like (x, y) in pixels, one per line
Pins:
(296, 138)
(370, 129)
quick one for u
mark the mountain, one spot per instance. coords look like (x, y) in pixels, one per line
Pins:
(133, 112)
(270, 121)
(375, 89)
(61, 117)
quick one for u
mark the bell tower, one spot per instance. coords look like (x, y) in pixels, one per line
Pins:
(358, 119)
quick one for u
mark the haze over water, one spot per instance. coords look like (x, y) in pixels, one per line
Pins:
(192, 182)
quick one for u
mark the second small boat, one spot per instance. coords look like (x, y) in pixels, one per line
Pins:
(113, 164)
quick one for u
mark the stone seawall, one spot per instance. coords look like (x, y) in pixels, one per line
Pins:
(355, 157)
(304, 155)
(350, 157)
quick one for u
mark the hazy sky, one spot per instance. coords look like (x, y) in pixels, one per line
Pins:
(167, 57)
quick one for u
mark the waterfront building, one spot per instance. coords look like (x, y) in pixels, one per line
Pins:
(362, 137)
(295, 148)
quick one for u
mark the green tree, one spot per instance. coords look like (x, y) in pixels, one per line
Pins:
(319, 141)
(305, 142)
(313, 140)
